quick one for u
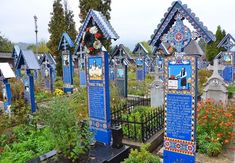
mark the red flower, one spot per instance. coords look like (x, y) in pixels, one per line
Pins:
(87, 30)
(91, 49)
(98, 35)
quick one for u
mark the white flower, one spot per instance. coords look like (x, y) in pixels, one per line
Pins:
(97, 44)
(87, 50)
(93, 30)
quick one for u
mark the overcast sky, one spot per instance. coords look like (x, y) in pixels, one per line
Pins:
(133, 20)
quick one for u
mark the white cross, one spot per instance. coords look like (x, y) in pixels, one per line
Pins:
(216, 67)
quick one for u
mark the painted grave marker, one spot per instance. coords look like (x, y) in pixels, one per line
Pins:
(29, 62)
(82, 65)
(97, 27)
(15, 54)
(48, 71)
(120, 57)
(141, 61)
(227, 58)
(180, 82)
(6, 73)
(65, 45)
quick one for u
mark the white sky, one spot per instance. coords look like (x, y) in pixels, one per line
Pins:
(133, 20)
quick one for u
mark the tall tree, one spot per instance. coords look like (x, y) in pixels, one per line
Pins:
(5, 44)
(99, 5)
(70, 26)
(42, 47)
(211, 49)
(56, 28)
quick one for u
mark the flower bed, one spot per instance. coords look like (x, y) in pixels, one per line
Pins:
(214, 127)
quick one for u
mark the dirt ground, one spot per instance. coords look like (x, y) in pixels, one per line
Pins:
(227, 156)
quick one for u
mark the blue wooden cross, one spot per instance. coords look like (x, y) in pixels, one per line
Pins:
(98, 78)
(82, 65)
(180, 82)
(66, 45)
(28, 60)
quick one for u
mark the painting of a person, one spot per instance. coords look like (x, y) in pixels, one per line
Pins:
(182, 75)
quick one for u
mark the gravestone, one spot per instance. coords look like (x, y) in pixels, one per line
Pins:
(66, 45)
(215, 88)
(97, 67)
(141, 61)
(157, 90)
(15, 54)
(82, 64)
(227, 58)
(29, 62)
(120, 57)
(112, 64)
(48, 71)
(6, 73)
(180, 82)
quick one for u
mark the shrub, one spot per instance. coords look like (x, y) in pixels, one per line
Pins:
(203, 75)
(214, 127)
(25, 143)
(58, 92)
(137, 116)
(143, 156)
(70, 137)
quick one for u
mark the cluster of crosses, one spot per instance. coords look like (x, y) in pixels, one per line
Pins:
(176, 53)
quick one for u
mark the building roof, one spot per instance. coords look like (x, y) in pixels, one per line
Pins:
(140, 48)
(6, 71)
(16, 51)
(28, 59)
(65, 42)
(6, 55)
(168, 21)
(102, 24)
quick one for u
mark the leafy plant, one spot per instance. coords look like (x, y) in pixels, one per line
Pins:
(203, 75)
(25, 143)
(143, 156)
(214, 126)
(70, 136)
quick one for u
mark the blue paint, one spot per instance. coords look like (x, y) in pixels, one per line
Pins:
(31, 91)
(228, 74)
(140, 74)
(98, 97)
(67, 72)
(179, 111)
(82, 78)
(172, 157)
(18, 73)
(26, 89)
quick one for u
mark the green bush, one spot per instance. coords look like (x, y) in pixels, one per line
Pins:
(25, 143)
(137, 116)
(231, 90)
(142, 156)
(203, 75)
(70, 137)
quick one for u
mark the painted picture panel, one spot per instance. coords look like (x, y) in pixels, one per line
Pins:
(179, 75)
(95, 71)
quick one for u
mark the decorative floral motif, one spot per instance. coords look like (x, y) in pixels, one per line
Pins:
(92, 40)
